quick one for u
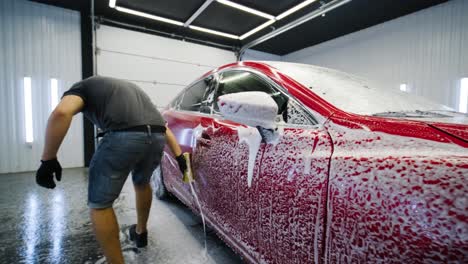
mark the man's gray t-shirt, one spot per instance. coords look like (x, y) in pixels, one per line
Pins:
(113, 104)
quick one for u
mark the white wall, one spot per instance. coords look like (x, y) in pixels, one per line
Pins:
(428, 50)
(41, 42)
(161, 66)
(260, 56)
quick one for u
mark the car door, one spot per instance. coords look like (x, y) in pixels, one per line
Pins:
(183, 117)
(221, 165)
(277, 215)
(292, 190)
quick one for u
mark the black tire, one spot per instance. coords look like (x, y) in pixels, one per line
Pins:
(157, 183)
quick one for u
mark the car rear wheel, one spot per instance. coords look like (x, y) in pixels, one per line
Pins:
(157, 183)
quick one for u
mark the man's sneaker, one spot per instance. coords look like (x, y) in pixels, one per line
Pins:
(141, 240)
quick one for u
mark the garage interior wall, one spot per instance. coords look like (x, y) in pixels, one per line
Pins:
(40, 42)
(160, 66)
(260, 56)
(426, 50)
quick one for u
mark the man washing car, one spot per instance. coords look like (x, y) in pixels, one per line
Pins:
(135, 135)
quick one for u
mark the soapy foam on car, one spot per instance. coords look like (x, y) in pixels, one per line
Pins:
(196, 133)
(367, 97)
(426, 174)
(252, 138)
(256, 109)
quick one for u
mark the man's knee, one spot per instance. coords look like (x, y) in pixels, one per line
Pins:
(99, 210)
(142, 186)
(100, 205)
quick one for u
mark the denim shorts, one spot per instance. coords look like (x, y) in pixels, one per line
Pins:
(118, 154)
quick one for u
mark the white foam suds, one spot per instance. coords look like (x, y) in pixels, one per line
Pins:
(250, 108)
(352, 93)
(196, 133)
(252, 138)
(407, 179)
(316, 234)
(307, 161)
(291, 173)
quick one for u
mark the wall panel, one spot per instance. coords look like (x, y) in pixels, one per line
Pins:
(426, 50)
(160, 66)
(41, 42)
(260, 56)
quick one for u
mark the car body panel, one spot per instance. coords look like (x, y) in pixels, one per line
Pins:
(182, 125)
(292, 191)
(243, 211)
(352, 188)
(455, 130)
(395, 199)
(218, 162)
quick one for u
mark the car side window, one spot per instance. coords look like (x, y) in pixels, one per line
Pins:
(243, 81)
(296, 115)
(176, 101)
(194, 96)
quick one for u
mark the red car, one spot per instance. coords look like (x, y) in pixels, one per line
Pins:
(295, 163)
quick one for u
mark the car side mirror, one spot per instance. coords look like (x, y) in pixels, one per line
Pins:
(249, 108)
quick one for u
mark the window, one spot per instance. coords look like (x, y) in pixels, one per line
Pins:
(193, 96)
(28, 119)
(463, 101)
(296, 115)
(242, 81)
(403, 87)
(54, 94)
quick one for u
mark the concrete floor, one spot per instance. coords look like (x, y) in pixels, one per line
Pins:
(52, 226)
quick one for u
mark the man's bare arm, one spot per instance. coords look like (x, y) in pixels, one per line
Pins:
(176, 150)
(172, 142)
(58, 124)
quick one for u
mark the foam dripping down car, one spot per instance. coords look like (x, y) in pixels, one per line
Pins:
(295, 163)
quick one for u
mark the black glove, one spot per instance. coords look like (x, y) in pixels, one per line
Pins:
(182, 163)
(44, 175)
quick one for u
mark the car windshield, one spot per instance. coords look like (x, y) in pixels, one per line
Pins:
(356, 95)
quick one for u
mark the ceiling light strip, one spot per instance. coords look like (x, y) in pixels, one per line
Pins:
(294, 9)
(324, 9)
(214, 32)
(158, 18)
(255, 30)
(112, 3)
(246, 9)
(174, 22)
(198, 12)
